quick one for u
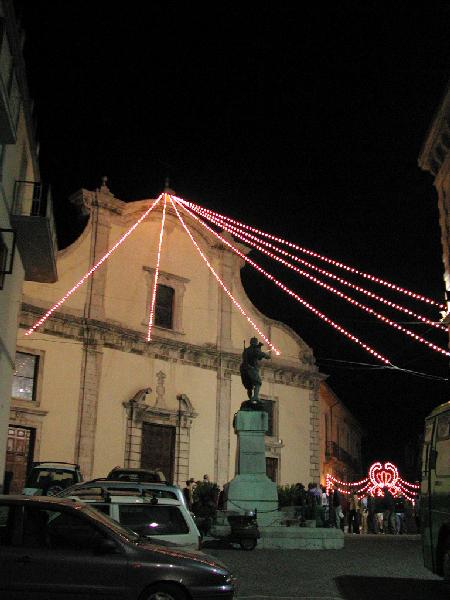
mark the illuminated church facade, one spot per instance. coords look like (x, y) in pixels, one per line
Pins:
(93, 391)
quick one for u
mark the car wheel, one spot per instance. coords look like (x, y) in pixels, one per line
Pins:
(165, 591)
(248, 543)
(446, 561)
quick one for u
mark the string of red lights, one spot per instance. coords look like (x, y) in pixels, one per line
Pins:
(224, 287)
(288, 291)
(155, 283)
(343, 296)
(255, 240)
(85, 277)
(336, 263)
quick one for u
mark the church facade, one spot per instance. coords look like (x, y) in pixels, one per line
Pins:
(98, 394)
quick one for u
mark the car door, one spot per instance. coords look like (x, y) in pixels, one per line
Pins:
(6, 559)
(57, 557)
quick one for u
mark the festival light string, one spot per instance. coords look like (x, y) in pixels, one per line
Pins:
(224, 287)
(42, 320)
(253, 240)
(155, 283)
(288, 291)
(347, 298)
(203, 211)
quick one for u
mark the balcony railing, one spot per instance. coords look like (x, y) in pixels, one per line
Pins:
(32, 218)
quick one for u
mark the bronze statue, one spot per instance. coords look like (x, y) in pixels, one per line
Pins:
(249, 368)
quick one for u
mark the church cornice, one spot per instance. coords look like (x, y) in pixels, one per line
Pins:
(101, 334)
(437, 143)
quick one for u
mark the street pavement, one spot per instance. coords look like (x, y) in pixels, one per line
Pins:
(369, 567)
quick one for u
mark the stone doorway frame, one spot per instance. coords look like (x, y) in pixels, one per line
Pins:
(138, 411)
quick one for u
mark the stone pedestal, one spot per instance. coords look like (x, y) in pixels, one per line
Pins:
(251, 488)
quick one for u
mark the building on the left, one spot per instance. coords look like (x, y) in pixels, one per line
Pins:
(27, 231)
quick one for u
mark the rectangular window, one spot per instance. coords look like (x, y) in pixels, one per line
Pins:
(164, 306)
(269, 408)
(25, 376)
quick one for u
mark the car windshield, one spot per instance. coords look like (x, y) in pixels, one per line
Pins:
(111, 523)
(43, 478)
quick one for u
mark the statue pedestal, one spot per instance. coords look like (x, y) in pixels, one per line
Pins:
(251, 488)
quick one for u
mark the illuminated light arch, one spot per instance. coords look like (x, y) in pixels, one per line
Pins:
(379, 476)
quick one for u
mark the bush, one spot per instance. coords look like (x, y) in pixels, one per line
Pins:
(288, 495)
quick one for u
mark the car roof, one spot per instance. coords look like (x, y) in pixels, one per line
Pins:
(112, 499)
(15, 499)
(56, 465)
(103, 482)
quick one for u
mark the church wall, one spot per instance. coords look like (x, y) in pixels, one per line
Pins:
(60, 364)
(200, 385)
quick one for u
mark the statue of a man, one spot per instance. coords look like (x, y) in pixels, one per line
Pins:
(249, 368)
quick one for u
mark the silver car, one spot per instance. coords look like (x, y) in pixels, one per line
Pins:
(111, 487)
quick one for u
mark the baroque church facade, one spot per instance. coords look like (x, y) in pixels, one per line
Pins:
(93, 391)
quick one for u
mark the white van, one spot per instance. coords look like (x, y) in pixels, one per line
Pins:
(159, 519)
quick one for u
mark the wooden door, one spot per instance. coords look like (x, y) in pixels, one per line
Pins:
(158, 448)
(19, 454)
(272, 468)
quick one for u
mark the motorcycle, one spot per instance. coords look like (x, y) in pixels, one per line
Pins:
(236, 528)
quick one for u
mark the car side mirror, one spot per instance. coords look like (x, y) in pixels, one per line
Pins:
(106, 546)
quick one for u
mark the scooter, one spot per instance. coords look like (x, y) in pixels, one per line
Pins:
(236, 528)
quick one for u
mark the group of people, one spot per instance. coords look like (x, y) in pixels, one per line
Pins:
(188, 490)
(380, 514)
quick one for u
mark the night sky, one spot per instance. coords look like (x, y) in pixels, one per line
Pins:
(304, 122)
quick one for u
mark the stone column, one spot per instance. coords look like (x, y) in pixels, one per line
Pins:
(251, 488)
(91, 368)
(223, 392)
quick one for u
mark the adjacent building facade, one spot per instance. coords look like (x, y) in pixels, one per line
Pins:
(340, 438)
(435, 158)
(98, 394)
(27, 232)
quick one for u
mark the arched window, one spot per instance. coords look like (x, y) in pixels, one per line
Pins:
(164, 306)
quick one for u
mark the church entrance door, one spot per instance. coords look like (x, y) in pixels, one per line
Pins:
(158, 448)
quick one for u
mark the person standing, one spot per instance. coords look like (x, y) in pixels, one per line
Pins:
(389, 517)
(364, 513)
(353, 518)
(337, 508)
(188, 494)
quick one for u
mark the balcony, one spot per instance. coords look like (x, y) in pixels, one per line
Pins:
(32, 218)
(9, 91)
(334, 451)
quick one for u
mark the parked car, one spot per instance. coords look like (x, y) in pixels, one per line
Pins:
(161, 520)
(51, 478)
(59, 548)
(147, 475)
(115, 488)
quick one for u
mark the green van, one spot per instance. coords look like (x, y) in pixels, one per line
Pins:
(435, 492)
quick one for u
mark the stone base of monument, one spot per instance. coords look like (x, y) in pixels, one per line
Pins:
(303, 538)
(251, 489)
(284, 537)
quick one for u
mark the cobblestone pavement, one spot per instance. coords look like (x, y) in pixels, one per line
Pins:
(369, 567)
